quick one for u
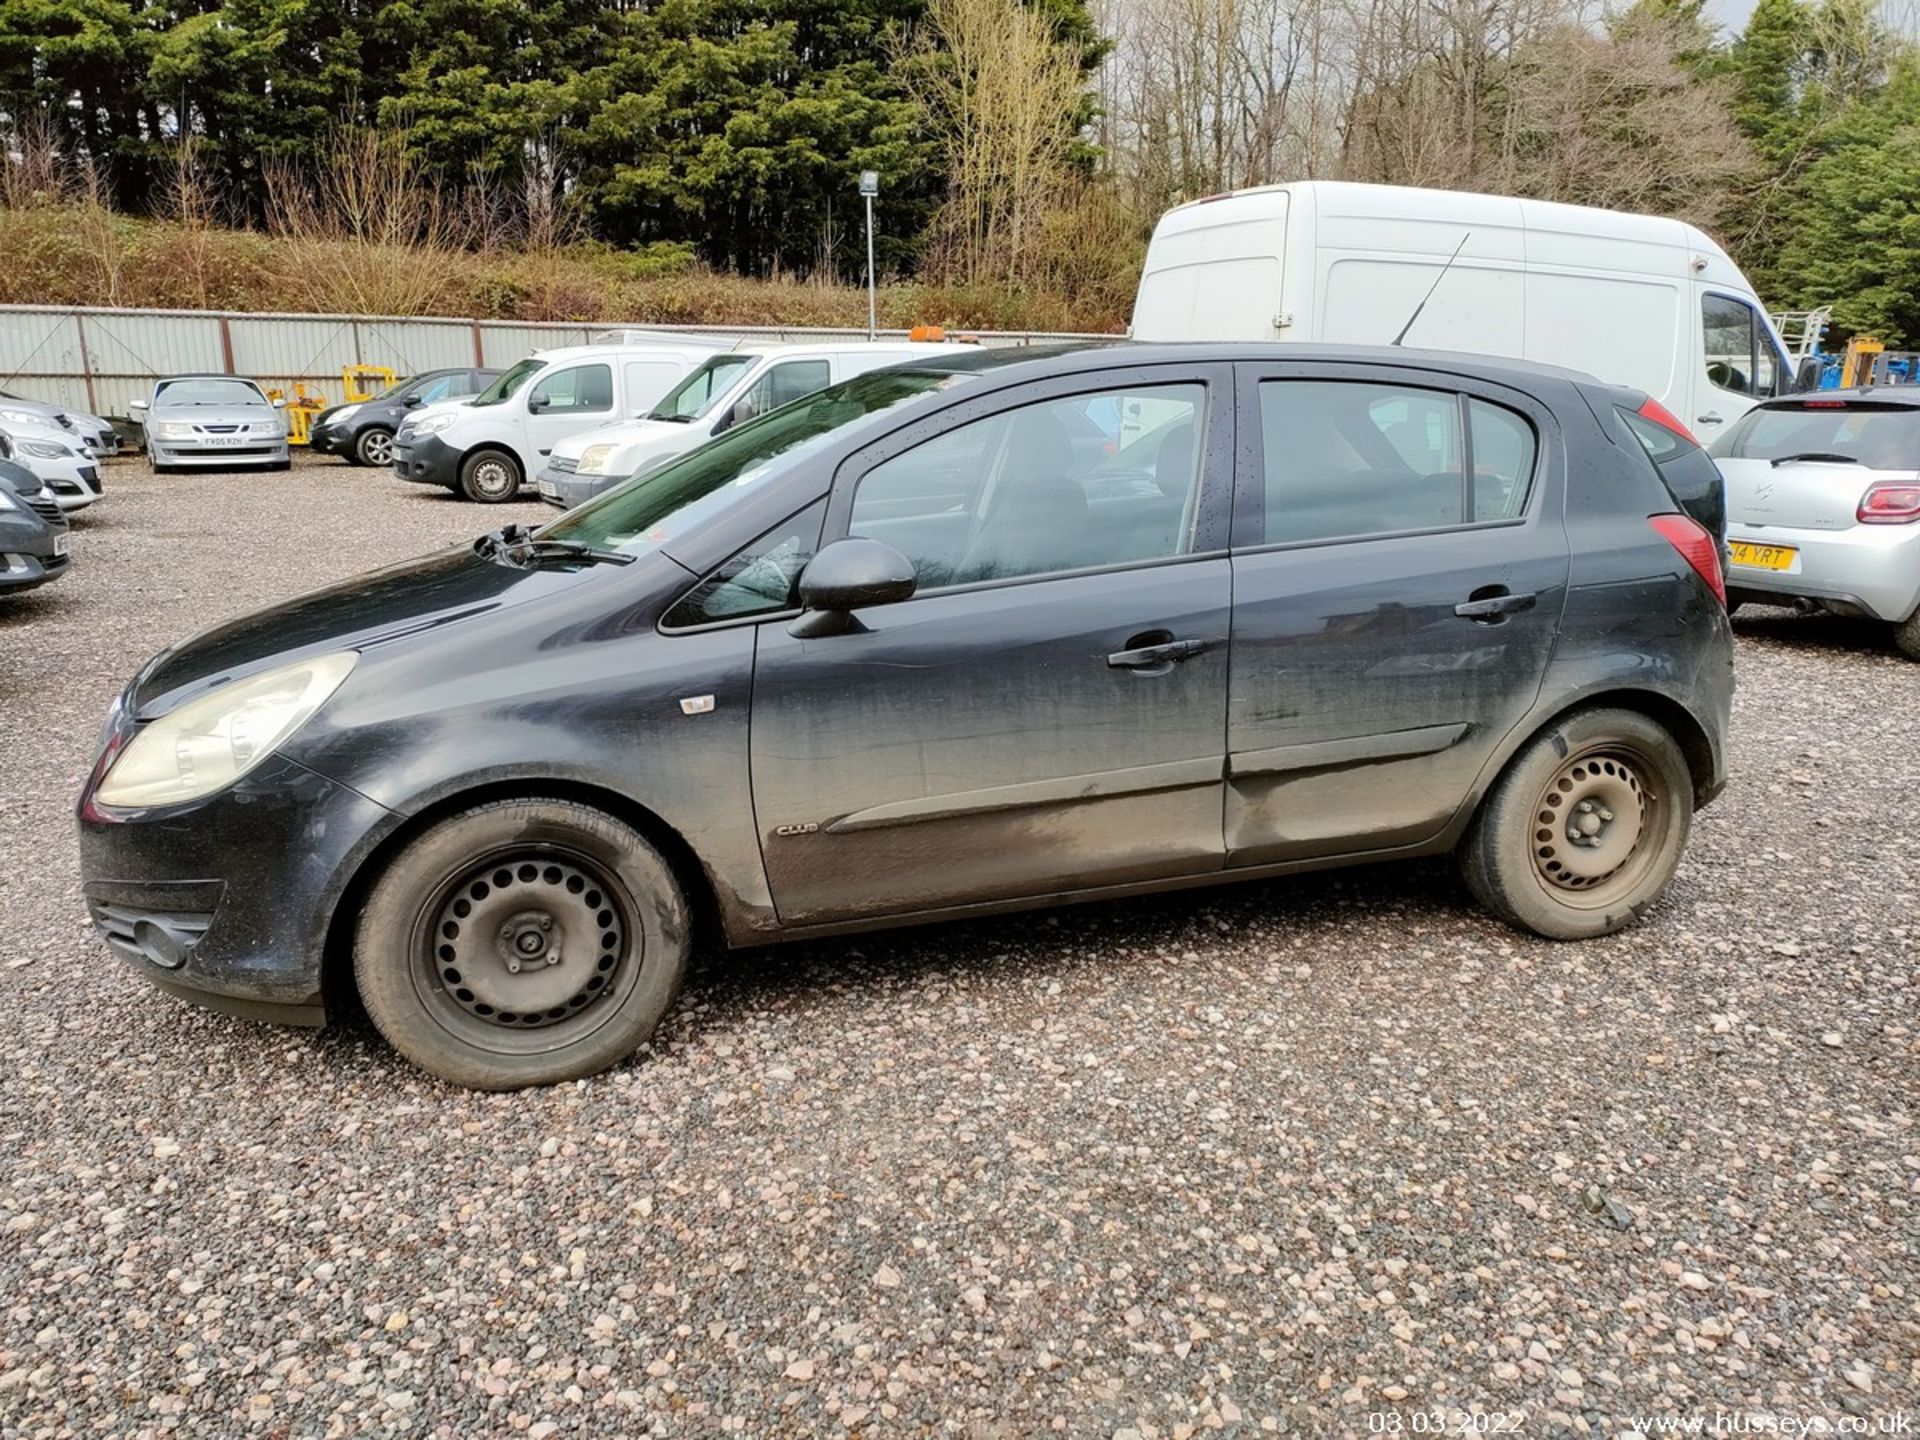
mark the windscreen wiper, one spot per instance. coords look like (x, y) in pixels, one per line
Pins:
(1824, 457)
(516, 544)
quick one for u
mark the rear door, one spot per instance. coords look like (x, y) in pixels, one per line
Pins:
(1399, 570)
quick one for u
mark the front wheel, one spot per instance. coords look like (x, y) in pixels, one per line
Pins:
(522, 942)
(1584, 830)
(374, 447)
(490, 476)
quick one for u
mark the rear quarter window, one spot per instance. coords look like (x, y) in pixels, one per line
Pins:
(1687, 471)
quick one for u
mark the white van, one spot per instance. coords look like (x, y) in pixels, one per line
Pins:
(486, 446)
(1633, 299)
(749, 379)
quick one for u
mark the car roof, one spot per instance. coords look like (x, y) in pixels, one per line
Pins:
(1879, 394)
(1084, 356)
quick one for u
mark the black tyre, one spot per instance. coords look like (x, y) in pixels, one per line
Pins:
(523, 942)
(1906, 636)
(490, 476)
(374, 446)
(1584, 830)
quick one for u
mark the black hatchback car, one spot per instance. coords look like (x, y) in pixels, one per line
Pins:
(33, 531)
(905, 650)
(362, 433)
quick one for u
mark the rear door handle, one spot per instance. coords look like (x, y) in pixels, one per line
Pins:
(1161, 652)
(1708, 419)
(1491, 609)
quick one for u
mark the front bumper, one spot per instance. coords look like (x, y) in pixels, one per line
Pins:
(227, 902)
(426, 460)
(25, 563)
(570, 489)
(1874, 569)
(186, 453)
(329, 440)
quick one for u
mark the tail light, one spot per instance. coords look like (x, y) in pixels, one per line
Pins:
(1696, 546)
(1653, 410)
(1891, 502)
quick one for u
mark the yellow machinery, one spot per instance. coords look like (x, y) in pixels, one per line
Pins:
(352, 378)
(1857, 365)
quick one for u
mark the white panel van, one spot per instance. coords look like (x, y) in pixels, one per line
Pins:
(487, 446)
(1633, 299)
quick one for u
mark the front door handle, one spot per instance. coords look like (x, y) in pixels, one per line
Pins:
(1493, 603)
(1154, 650)
(1710, 418)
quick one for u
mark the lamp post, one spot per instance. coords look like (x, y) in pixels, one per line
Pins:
(870, 187)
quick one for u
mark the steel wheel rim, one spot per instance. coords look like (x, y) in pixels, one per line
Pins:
(376, 448)
(465, 976)
(492, 477)
(1597, 826)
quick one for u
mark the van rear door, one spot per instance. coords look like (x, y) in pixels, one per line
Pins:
(1214, 270)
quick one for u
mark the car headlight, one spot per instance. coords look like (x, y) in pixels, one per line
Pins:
(46, 449)
(593, 460)
(173, 429)
(343, 414)
(209, 743)
(430, 424)
(22, 417)
(7, 502)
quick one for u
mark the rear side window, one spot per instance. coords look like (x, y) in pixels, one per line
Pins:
(1880, 437)
(1347, 459)
(1690, 476)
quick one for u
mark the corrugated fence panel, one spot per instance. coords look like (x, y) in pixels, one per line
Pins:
(102, 360)
(129, 349)
(409, 346)
(280, 351)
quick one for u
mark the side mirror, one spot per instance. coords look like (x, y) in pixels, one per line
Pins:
(850, 575)
(279, 402)
(1807, 377)
(412, 400)
(136, 405)
(536, 404)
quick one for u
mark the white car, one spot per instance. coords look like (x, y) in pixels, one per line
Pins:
(61, 459)
(1823, 505)
(748, 380)
(486, 447)
(97, 434)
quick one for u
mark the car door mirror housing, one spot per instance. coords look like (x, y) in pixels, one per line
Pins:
(848, 575)
(412, 400)
(136, 405)
(1807, 377)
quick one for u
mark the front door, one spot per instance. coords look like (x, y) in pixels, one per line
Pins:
(1048, 713)
(565, 402)
(1737, 366)
(1400, 565)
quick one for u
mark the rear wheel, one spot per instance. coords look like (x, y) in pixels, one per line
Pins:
(374, 447)
(1906, 635)
(523, 942)
(490, 476)
(1585, 829)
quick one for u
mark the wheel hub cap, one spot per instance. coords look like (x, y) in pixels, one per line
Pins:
(527, 941)
(1589, 821)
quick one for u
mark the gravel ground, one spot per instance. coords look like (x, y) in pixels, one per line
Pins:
(1274, 1157)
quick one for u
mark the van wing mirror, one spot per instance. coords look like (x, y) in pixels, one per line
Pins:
(848, 575)
(1807, 376)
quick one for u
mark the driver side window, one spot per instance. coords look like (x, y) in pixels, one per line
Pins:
(1071, 484)
(580, 390)
(1731, 341)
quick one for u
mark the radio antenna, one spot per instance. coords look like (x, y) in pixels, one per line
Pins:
(1433, 287)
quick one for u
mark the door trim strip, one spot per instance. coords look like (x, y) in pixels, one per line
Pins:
(1107, 784)
(1357, 750)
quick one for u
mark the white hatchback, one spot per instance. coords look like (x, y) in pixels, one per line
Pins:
(1823, 504)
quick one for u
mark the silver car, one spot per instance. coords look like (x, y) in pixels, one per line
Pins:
(212, 422)
(1823, 504)
(96, 434)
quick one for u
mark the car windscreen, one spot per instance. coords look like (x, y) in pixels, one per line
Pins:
(208, 392)
(663, 504)
(1879, 436)
(694, 396)
(508, 382)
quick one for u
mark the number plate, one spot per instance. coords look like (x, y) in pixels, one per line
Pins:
(60, 544)
(1762, 557)
(221, 442)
